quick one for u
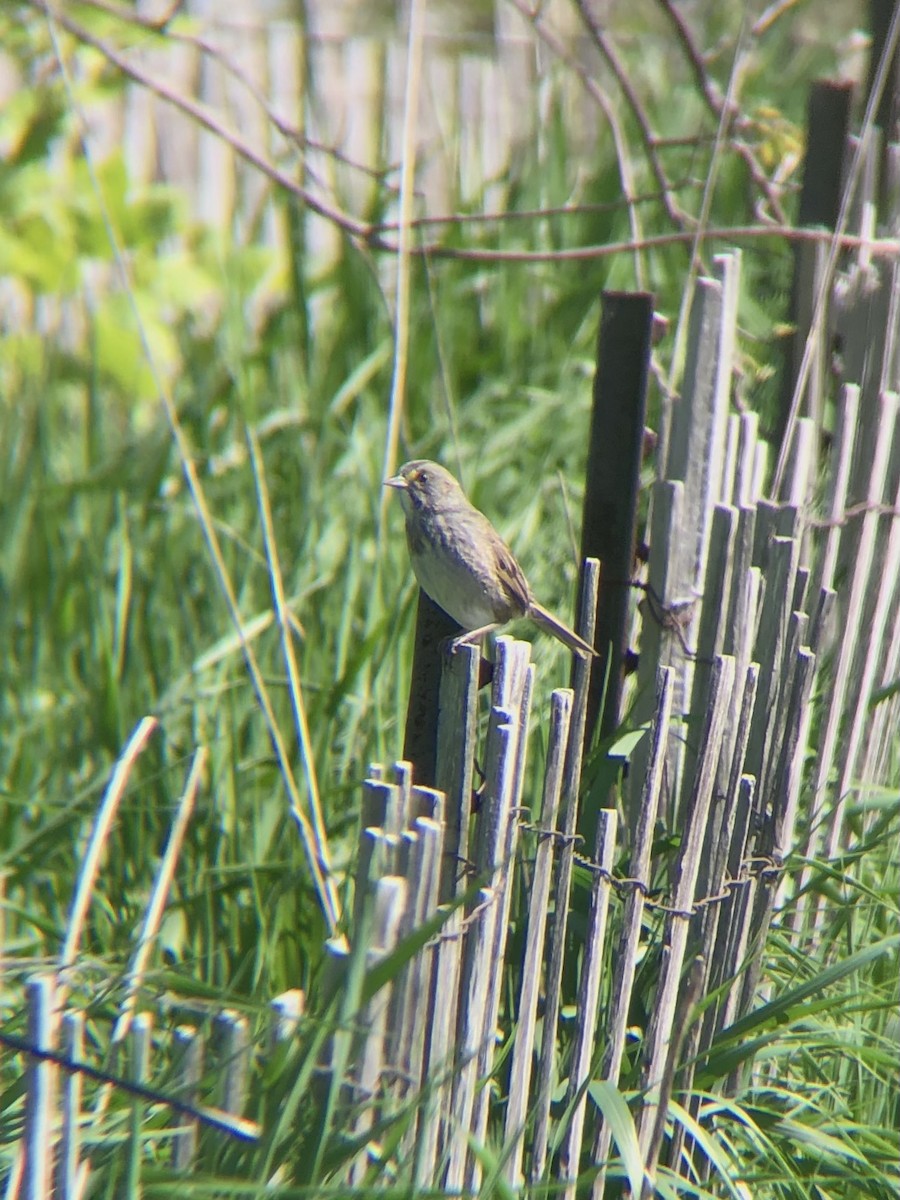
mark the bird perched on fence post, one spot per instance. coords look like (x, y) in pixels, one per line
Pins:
(461, 561)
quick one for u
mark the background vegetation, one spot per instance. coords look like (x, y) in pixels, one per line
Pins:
(112, 607)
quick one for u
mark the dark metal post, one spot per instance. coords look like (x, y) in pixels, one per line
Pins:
(881, 16)
(612, 486)
(828, 128)
(433, 627)
(824, 175)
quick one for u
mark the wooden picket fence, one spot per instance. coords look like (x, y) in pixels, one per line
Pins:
(740, 609)
(744, 611)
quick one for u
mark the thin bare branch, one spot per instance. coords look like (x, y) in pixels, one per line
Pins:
(623, 154)
(716, 103)
(886, 248)
(164, 27)
(606, 48)
(206, 118)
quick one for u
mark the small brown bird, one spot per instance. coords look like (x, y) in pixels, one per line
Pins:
(461, 561)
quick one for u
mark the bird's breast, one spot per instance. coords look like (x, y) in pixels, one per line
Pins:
(454, 566)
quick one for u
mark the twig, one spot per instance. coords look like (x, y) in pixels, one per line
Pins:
(623, 155)
(606, 48)
(499, 217)
(291, 133)
(234, 1126)
(716, 103)
(205, 117)
(855, 510)
(888, 248)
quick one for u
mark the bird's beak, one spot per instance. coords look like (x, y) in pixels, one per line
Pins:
(396, 481)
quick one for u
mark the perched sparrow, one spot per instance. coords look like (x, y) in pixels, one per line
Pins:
(461, 561)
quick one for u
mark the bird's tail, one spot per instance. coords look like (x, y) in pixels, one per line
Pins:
(566, 635)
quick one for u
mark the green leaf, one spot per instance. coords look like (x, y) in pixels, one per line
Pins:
(120, 349)
(624, 745)
(618, 1116)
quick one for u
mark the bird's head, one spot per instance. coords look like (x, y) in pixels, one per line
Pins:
(423, 484)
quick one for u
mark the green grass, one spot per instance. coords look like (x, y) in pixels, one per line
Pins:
(112, 608)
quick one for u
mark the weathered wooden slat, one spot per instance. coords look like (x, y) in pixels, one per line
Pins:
(696, 447)
(389, 905)
(233, 1055)
(588, 997)
(660, 642)
(571, 782)
(776, 831)
(788, 768)
(188, 1044)
(885, 591)
(286, 1011)
(441, 1052)
(376, 856)
(738, 914)
(679, 919)
(836, 489)
(711, 630)
(728, 871)
(456, 758)
(409, 1048)
(746, 491)
(491, 865)
(730, 465)
(140, 1046)
(523, 1050)
(420, 743)
(627, 952)
(770, 648)
(501, 931)
(72, 1045)
(40, 1085)
(863, 535)
(879, 745)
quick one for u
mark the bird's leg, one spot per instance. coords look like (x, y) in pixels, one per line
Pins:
(474, 635)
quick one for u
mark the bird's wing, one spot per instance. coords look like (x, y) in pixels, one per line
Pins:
(513, 582)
